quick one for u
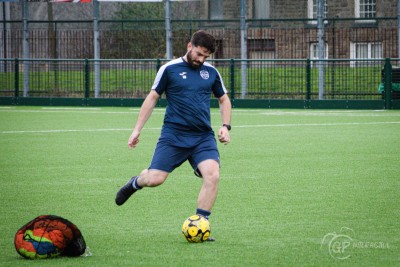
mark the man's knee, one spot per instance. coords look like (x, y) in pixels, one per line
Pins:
(153, 178)
(210, 171)
(212, 177)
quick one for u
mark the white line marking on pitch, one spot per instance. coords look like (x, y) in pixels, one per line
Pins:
(61, 108)
(78, 110)
(236, 112)
(237, 126)
(64, 131)
(318, 124)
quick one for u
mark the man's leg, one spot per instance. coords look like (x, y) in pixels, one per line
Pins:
(147, 178)
(209, 170)
(208, 193)
(152, 178)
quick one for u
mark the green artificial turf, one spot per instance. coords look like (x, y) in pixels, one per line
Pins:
(297, 188)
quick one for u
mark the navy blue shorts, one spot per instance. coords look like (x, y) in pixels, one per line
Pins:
(172, 150)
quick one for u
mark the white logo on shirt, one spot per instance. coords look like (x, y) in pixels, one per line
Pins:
(204, 74)
(183, 74)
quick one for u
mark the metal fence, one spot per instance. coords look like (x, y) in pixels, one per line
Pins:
(343, 79)
(144, 39)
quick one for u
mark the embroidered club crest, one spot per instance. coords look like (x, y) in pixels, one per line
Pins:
(204, 74)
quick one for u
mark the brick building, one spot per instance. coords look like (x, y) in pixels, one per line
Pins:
(288, 29)
(276, 29)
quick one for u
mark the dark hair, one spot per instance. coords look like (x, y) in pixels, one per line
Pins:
(203, 39)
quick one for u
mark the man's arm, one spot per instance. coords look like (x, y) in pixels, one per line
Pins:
(225, 107)
(144, 114)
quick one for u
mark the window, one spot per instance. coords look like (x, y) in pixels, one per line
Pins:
(365, 9)
(365, 51)
(219, 52)
(261, 9)
(313, 10)
(216, 9)
(314, 51)
(261, 48)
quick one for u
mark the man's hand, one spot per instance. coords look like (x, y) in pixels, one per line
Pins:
(223, 135)
(133, 139)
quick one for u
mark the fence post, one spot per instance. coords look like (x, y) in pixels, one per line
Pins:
(308, 79)
(87, 79)
(16, 78)
(158, 65)
(232, 76)
(388, 84)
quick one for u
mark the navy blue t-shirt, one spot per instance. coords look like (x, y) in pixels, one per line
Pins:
(188, 91)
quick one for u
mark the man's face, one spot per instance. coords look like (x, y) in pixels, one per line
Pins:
(196, 55)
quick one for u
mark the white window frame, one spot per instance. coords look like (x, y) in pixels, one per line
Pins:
(310, 5)
(357, 13)
(314, 48)
(353, 51)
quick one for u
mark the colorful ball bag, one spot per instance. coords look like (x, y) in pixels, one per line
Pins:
(49, 236)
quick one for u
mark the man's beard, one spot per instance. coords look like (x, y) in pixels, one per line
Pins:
(193, 64)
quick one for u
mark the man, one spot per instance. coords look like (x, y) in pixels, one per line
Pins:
(186, 133)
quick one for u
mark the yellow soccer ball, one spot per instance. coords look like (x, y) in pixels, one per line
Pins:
(196, 229)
